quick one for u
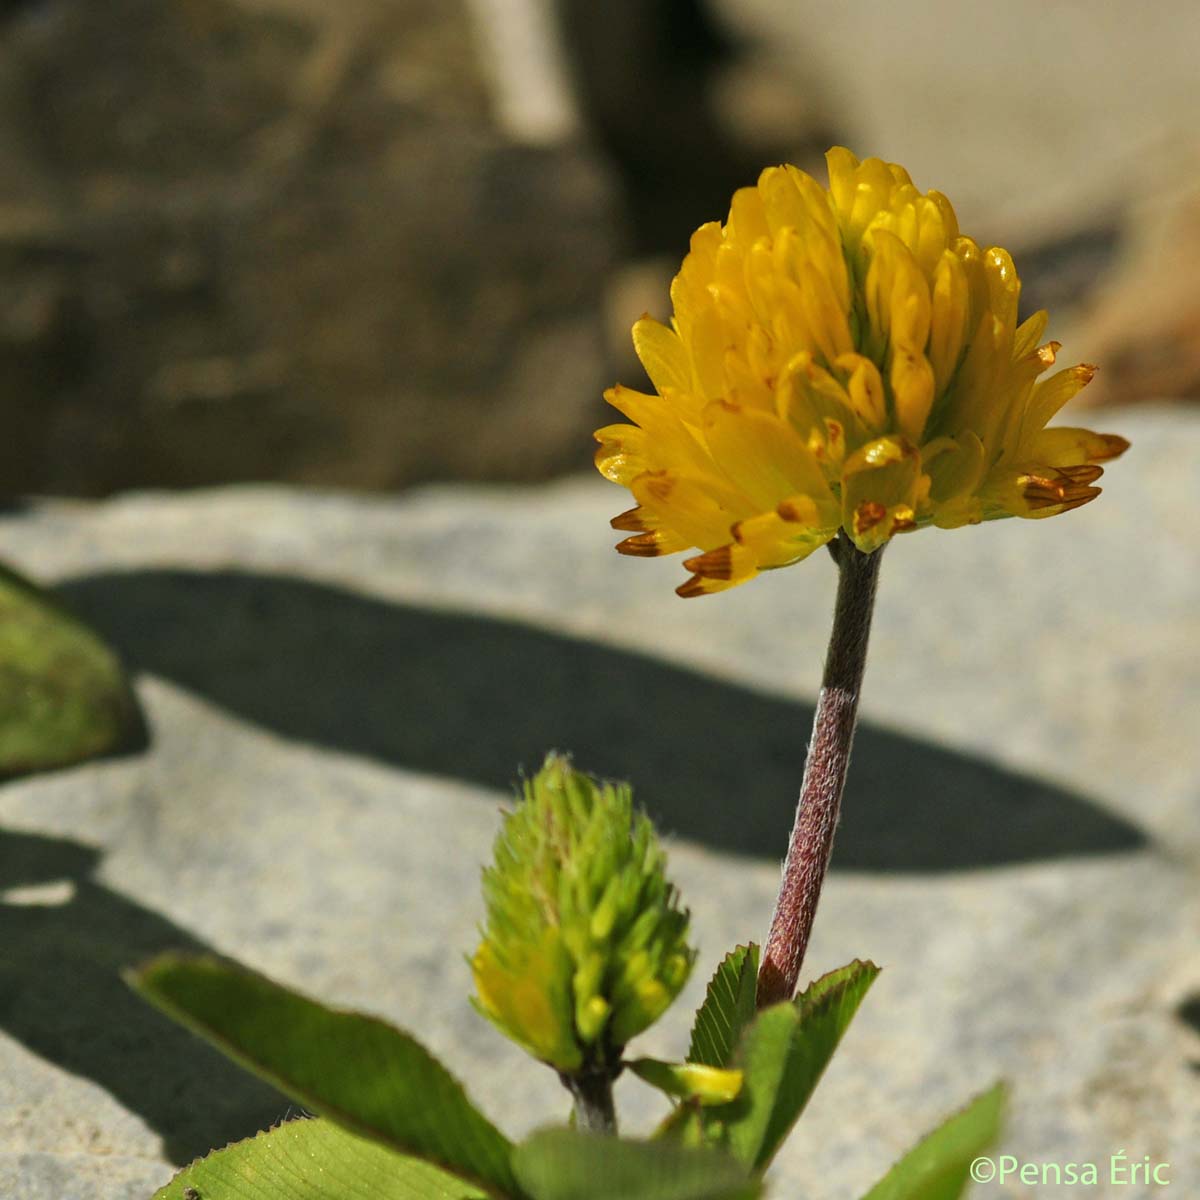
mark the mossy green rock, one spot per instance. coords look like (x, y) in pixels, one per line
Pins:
(64, 697)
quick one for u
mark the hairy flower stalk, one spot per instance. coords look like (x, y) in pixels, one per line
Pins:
(824, 773)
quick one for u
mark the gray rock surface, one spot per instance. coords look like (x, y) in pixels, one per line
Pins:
(340, 689)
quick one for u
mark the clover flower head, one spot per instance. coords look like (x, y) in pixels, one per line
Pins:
(584, 944)
(840, 358)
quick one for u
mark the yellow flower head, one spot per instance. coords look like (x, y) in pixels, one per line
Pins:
(840, 359)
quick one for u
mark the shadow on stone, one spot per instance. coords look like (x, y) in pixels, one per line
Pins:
(474, 698)
(1189, 1012)
(61, 995)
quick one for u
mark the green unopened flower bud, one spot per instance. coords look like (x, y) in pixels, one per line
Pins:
(584, 944)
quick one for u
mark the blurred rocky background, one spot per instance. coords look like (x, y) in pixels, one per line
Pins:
(287, 240)
(382, 241)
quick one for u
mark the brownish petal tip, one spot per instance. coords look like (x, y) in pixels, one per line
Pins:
(644, 545)
(1079, 499)
(1040, 492)
(1083, 473)
(630, 520)
(715, 564)
(1113, 446)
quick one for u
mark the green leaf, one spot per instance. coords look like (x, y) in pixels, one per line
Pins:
(312, 1160)
(727, 1009)
(689, 1081)
(356, 1070)
(63, 695)
(783, 1054)
(825, 1011)
(939, 1166)
(563, 1164)
(763, 1057)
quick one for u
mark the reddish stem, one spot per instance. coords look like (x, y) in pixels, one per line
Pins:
(824, 773)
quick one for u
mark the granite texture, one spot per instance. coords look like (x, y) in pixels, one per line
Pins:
(340, 690)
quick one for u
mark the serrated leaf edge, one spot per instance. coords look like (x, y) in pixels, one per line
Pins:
(1000, 1090)
(832, 994)
(133, 978)
(750, 951)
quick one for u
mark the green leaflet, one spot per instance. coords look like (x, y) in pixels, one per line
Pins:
(763, 1057)
(782, 1052)
(939, 1166)
(563, 1164)
(727, 1009)
(63, 695)
(356, 1070)
(825, 1011)
(312, 1160)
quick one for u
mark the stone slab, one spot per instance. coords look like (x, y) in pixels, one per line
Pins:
(340, 690)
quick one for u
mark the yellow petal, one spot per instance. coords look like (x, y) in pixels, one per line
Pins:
(826, 317)
(747, 217)
(936, 229)
(764, 458)
(949, 217)
(782, 203)
(956, 468)
(808, 397)
(948, 318)
(865, 390)
(707, 347)
(843, 181)
(717, 569)
(972, 402)
(1029, 333)
(971, 256)
(689, 288)
(622, 454)
(822, 231)
(871, 196)
(1064, 446)
(669, 440)
(1004, 287)
(882, 487)
(653, 543)
(912, 391)
(776, 540)
(697, 509)
(897, 296)
(663, 355)
(1051, 394)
